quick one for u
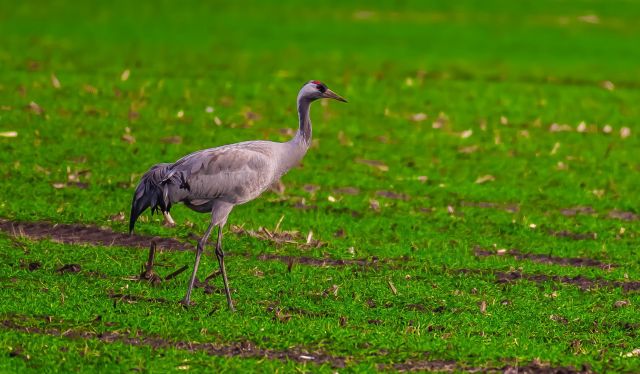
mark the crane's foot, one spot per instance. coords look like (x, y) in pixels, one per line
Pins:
(231, 307)
(186, 302)
(151, 276)
(148, 273)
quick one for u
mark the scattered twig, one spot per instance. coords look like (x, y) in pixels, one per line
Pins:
(213, 274)
(176, 273)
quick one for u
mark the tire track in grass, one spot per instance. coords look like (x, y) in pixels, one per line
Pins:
(613, 214)
(582, 282)
(442, 366)
(247, 349)
(545, 259)
(87, 234)
(80, 234)
(91, 235)
(84, 234)
(579, 281)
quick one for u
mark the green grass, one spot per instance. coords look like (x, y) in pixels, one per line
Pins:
(507, 71)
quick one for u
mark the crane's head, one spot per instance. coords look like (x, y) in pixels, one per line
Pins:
(314, 90)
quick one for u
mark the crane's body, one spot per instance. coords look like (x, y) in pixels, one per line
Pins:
(215, 180)
(234, 173)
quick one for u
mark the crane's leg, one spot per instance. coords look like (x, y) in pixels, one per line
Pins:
(220, 256)
(199, 250)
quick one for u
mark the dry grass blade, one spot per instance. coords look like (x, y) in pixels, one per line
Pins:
(35, 108)
(374, 164)
(55, 82)
(392, 287)
(374, 205)
(280, 237)
(278, 224)
(485, 178)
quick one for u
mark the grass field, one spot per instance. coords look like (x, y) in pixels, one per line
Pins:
(475, 206)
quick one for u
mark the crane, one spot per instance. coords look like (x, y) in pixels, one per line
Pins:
(215, 180)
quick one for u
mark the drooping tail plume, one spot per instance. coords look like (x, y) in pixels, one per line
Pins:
(149, 193)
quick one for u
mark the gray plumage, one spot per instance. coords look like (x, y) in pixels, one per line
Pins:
(215, 180)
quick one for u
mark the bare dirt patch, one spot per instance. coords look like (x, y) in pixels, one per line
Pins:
(624, 216)
(587, 210)
(347, 191)
(392, 195)
(545, 259)
(81, 234)
(571, 212)
(574, 235)
(235, 349)
(582, 282)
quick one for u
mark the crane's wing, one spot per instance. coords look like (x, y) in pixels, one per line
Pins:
(235, 173)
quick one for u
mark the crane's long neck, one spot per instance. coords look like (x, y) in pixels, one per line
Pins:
(295, 149)
(303, 135)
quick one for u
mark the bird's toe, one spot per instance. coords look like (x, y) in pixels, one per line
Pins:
(186, 303)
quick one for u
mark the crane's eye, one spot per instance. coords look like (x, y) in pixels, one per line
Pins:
(321, 88)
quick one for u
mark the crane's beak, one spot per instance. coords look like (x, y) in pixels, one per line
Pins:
(332, 95)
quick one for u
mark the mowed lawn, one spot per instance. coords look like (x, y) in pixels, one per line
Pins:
(474, 206)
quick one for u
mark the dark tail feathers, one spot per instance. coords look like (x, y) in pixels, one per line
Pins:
(149, 193)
